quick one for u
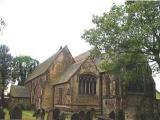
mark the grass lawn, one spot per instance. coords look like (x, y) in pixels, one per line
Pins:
(26, 115)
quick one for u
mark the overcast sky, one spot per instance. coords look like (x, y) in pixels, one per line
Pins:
(39, 27)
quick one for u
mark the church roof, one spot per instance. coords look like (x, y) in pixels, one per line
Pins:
(96, 60)
(43, 67)
(68, 73)
(19, 91)
(72, 69)
(82, 56)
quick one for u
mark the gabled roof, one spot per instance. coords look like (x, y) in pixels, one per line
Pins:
(43, 67)
(67, 74)
(82, 56)
(19, 91)
(72, 69)
(97, 60)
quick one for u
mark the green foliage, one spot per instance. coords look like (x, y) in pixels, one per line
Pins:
(5, 65)
(2, 24)
(128, 35)
(5, 69)
(22, 67)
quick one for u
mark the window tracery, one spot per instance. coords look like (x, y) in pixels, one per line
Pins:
(87, 84)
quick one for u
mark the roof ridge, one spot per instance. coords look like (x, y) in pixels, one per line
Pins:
(43, 67)
(82, 56)
(19, 91)
(70, 71)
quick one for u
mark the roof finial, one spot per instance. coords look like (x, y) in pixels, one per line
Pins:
(60, 48)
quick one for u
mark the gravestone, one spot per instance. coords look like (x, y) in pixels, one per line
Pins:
(120, 115)
(112, 115)
(36, 114)
(16, 113)
(104, 118)
(75, 116)
(81, 115)
(89, 115)
(42, 113)
(56, 114)
(39, 114)
(2, 114)
(50, 114)
(62, 116)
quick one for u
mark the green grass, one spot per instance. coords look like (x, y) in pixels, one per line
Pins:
(26, 115)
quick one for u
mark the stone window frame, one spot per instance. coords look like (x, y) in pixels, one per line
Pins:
(87, 84)
(60, 97)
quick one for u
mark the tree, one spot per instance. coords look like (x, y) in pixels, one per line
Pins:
(127, 31)
(145, 27)
(5, 69)
(22, 67)
(2, 24)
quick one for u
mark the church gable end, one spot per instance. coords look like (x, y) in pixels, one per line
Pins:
(87, 77)
(61, 63)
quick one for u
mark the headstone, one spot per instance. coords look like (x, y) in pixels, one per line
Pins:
(2, 114)
(50, 114)
(81, 115)
(56, 114)
(36, 114)
(62, 116)
(39, 114)
(112, 115)
(104, 118)
(16, 113)
(89, 115)
(42, 113)
(121, 115)
(75, 116)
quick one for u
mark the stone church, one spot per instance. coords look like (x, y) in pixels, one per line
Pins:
(74, 84)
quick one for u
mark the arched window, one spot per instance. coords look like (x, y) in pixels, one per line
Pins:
(87, 84)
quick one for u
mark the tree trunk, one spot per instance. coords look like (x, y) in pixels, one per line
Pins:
(2, 94)
(2, 98)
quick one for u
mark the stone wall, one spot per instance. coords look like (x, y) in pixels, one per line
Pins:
(61, 63)
(135, 106)
(85, 101)
(66, 95)
(109, 105)
(36, 88)
(138, 105)
(47, 97)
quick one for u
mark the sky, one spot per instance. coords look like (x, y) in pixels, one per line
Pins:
(39, 27)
